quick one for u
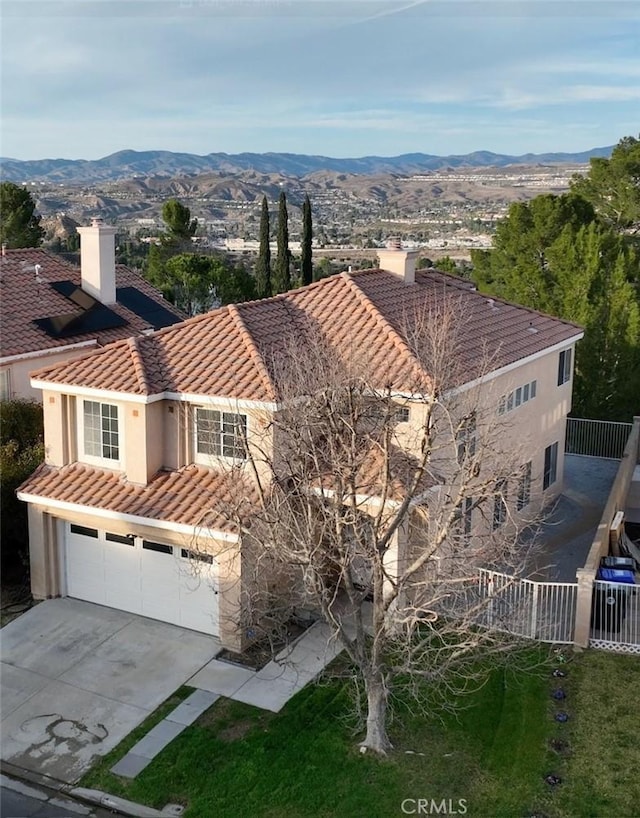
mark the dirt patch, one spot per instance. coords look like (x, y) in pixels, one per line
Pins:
(14, 601)
(260, 653)
(234, 732)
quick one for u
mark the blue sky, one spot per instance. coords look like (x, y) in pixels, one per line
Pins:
(85, 78)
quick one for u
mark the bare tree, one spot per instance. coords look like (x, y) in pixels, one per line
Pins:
(375, 509)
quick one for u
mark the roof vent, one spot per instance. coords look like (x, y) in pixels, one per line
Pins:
(532, 329)
(492, 304)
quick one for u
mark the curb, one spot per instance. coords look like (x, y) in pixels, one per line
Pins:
(94, 797)
(113, 802)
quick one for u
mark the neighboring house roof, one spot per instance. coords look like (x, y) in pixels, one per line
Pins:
(233, 351)
(28, 296)
(172, 496)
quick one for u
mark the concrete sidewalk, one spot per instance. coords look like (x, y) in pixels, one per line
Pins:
(269, 688)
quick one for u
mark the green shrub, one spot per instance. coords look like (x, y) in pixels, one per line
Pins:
(21, 450)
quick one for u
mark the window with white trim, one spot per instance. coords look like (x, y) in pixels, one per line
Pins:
(463, 520)
(219, 434)
(100, 431)
(564, 366)
(523, 496)
(522, 394)
(466, 437)
(5, 384)
(550, 473)
(500, 503)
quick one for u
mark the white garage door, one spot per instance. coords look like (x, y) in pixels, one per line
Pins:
(149, 578)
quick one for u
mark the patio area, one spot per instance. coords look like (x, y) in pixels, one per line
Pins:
(564, 539)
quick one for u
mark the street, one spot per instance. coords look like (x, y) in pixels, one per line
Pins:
(18, 800)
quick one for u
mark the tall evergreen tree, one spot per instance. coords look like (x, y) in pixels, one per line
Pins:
(554, 254)
(19, 221)
(282, 273)
(263, 266)
(306, 267)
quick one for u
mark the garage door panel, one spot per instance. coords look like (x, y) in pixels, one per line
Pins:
(122, 577)
(160, 593)
(198, 597)
(85, 568)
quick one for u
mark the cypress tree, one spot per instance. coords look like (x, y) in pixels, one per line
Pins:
(282, 275)
(263, 267)
(306, 267)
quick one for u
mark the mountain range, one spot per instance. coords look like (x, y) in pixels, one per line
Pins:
(129, 164)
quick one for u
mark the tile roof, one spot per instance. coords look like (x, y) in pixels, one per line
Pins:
(192, 495)
(24, 300)
(234, 351)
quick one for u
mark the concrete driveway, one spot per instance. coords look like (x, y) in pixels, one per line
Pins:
(77, 678)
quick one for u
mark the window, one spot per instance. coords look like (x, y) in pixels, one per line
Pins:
(221, 434)
(86, 532)
(464, 515)
(100, 425)
(5, 384)
(564, 367)
(401, 414)
(159, 547)
(517, 397)
(187, 554)
(550, 465)
(499, 504)
(125, 539)
(466, 437)
(523, 498)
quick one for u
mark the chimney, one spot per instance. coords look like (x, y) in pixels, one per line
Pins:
(400, 262)
(98, 261)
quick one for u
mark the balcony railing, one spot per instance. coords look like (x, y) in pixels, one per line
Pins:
(596, 438)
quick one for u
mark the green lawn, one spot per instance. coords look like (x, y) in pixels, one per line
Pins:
(239, 761)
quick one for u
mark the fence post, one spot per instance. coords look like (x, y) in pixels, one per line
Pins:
(534, 610)
(582, 630)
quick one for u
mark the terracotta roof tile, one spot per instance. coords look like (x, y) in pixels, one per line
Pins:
(193, 495)
(233, 351)
(24, 300)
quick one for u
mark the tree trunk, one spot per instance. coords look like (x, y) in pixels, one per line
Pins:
(376, 739)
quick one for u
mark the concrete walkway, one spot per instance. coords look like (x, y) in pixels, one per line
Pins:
(269, 688)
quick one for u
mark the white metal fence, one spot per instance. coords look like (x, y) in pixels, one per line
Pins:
(596, 438)
(615, 617)
(535, 610)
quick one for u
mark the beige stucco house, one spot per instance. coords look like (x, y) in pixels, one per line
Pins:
(142, 434)
(53, 311)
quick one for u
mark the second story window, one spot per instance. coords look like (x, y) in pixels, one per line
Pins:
(466, 435)
(220, 434)
(500, 503)
(564, 367)
(101, 438)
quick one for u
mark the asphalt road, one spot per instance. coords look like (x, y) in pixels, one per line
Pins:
(19, 800)
(15, 805)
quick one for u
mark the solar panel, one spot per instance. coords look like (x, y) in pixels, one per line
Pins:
(146, 308)
(93, 318)
(74, 323)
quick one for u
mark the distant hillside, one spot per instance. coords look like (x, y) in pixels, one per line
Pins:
(128, 164)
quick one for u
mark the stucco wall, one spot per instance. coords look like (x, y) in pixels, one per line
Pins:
(20, 371)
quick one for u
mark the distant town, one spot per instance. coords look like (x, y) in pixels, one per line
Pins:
(446, 211)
